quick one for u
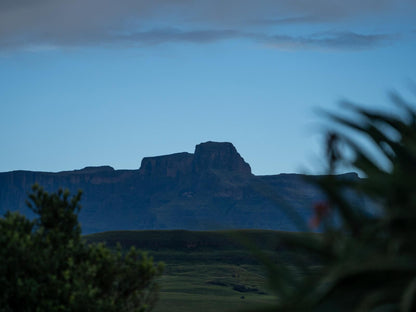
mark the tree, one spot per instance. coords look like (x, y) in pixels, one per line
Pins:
(365, 258)
(47, 266)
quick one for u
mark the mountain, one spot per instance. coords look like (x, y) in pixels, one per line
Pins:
(213, 188)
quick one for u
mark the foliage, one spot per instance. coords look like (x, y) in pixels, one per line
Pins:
(365, 259)
(46, 265)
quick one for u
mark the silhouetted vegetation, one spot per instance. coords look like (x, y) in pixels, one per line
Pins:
(46, 265)
(366, 255)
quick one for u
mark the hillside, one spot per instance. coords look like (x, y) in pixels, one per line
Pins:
(182, 246)
(208, 190)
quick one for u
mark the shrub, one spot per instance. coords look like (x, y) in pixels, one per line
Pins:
(365, 258)
(46, 265)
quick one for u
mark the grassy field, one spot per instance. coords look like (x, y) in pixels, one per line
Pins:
(205, 271)
(212, 287)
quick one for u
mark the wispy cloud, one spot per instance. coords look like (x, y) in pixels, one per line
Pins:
(331, 40)
(288, 20)
(90, 22)
(159, 36)
(325, 40)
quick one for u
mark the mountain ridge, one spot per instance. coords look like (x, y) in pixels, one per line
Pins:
(210, 189)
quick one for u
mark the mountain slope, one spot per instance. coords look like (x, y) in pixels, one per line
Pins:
(210, 189)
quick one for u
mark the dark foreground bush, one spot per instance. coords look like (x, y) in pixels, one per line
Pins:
(46, 266)
(366, 255)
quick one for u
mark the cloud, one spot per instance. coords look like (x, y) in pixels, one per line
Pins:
(288, 20)
(331, 40)
(160, 36)
(93, 22)
(324, 40)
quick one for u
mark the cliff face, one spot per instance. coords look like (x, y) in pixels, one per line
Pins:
(174, 165)
(210, 189)
(207, 157)
(219, 156)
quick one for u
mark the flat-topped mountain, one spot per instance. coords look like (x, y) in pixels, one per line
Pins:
(210, 189)
(208, 156)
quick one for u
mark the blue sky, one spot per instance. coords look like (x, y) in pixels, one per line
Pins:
(101, 82)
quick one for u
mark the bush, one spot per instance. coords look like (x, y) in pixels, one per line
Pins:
(46, 265)
(365, 259)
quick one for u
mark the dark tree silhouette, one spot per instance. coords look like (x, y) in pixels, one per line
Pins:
(46, 265)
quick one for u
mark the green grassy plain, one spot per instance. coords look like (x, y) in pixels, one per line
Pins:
(204, 271)
(210, 287)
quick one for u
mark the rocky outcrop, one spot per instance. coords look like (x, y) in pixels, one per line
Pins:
(173, 165)
(91, 170)
(207, 157)
(219, 156)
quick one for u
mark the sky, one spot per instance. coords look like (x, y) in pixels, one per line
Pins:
(104, 82)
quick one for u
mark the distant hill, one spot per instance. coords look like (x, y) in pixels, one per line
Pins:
(208, 190)
(181, 246)
(183, 240)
